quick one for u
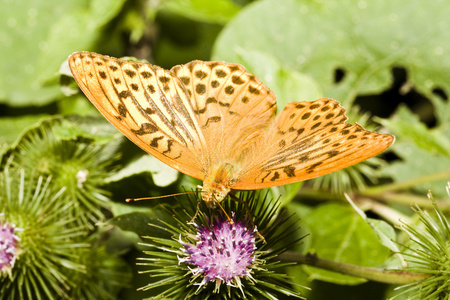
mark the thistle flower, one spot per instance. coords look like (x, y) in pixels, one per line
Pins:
(428, 253)
(224, 252)
(9, 249)
(217, 257)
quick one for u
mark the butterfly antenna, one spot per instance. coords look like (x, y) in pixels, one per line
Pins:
(235, 198)
(157, 197)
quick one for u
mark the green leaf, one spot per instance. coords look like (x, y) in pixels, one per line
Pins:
(285, 193)
(93, 128)
(365, 40)
(13, 128)
(162, 174)
(423, 152)
(384, 232)
(217, 11)
(37, 36)
(138, 223)
(417, 162)
(407, 126)
(341, 235)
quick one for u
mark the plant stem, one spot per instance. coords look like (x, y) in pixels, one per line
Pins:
(409, 199)
(387, 213)
(377, 190)
(374, 274)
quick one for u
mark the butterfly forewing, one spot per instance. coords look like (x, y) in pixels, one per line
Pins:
(233, 108)
(223, 94)
(146, 104)
(311, 139)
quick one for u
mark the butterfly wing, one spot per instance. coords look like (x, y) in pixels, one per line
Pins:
(147, 104)
(310, 139)
(222, 92)
(232, 107)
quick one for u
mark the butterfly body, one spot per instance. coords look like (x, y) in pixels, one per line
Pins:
(217, 184)
(216, 122)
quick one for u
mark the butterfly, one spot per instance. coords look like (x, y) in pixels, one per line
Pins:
(217, 122)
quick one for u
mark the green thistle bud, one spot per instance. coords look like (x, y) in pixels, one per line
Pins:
(47, 244)
(79, 166)
(428, 253)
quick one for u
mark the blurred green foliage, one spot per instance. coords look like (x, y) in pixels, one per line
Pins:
(387, 58)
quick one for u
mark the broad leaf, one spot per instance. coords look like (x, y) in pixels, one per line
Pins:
(36, 36)
(364, 40)
(341, 235)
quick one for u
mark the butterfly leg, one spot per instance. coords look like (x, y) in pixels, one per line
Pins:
(235, 198)
(197, 191)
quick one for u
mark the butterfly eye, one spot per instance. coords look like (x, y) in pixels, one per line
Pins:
(220, 195)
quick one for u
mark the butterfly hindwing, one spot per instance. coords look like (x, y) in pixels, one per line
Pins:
(310, 139)
(147, 104)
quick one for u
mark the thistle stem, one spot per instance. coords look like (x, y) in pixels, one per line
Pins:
(370, 273)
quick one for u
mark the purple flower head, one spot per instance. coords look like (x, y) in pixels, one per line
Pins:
(224, 252)
(8, 247)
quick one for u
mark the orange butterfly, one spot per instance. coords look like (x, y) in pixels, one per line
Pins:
(216, 122)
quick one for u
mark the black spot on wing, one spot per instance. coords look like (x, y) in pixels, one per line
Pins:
(185, 80)
(237, 80)
(214, 84)
(229, 90)
(124, 94)
(221, 73)
(253, 90)
(290, 171)
(122, 110)
(200, 74)
(264, 178)
(134, 87)
(275, 176)
(154, 142)
(164, 79)
(169, 146)
(146, 74)
(151, 88)
(316, 125)
(312, 167)
(145, 128)
(214, 119)
(200, 88)
(130, 73)
(306, 116)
